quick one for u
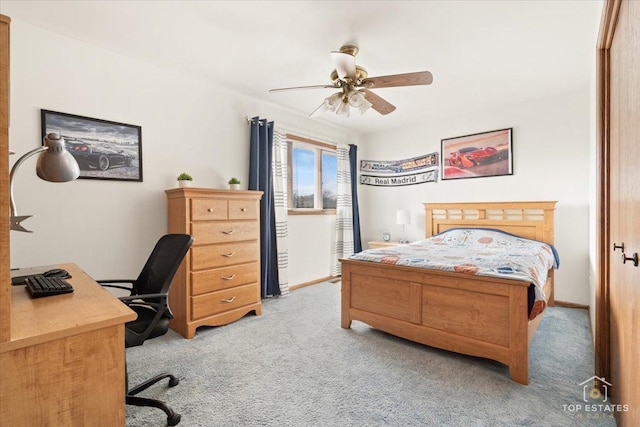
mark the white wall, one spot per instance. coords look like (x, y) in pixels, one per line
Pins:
(308, 262)
(191, 125)
(551, 162)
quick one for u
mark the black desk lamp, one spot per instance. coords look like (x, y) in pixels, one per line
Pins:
(55, 164)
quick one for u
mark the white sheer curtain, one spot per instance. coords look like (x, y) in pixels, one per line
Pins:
(281, 209)
(344, 216)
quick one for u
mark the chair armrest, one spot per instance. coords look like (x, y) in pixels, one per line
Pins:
(142, 300)
(142, 297)
(109, 284)
(116, 281)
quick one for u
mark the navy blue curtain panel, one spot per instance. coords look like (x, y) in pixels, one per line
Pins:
(261, 179)
(355, 213)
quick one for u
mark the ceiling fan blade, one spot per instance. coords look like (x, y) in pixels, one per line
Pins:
(377, 103)
(345, 65)
(395, 80)
(303, 87)
(318, 111)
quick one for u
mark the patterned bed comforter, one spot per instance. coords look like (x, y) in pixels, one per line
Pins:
(476, 251)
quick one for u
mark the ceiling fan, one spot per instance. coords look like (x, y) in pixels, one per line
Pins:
(354, 85)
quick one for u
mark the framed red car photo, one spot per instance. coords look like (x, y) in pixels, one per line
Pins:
(478, 155)
(103, 149)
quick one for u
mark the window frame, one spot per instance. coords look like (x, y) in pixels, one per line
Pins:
(318, 147)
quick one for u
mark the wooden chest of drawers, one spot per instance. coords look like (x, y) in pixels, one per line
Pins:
(219, 281)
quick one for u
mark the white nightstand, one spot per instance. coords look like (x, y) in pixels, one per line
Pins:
(382, 244)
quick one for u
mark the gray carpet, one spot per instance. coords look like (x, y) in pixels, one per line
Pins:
(295, 366)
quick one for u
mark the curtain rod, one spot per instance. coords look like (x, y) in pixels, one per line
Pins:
(249, 121)
(286, 129)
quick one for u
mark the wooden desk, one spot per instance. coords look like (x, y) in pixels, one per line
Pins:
(65, 362)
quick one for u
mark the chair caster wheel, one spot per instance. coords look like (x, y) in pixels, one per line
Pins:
(173, 420)
(174, 381)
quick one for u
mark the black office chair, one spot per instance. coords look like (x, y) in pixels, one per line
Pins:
(149, 299)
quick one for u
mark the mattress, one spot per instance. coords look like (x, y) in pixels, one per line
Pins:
(477, 251)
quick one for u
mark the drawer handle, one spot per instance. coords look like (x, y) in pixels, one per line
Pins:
(230, 232)
(210, 210)
(243, 209)
(229, 255)
(228, 300)
(229, 277)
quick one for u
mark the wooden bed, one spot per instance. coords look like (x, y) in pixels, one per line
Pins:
(474, 315)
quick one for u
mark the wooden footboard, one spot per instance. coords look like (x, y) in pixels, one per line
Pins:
(478, 316)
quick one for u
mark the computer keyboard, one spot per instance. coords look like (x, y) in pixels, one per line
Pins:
(56, 272)
(41, 286)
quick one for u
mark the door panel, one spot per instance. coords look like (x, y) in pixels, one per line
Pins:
(624, 278)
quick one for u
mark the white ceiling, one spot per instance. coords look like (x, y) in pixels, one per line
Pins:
(482, 54)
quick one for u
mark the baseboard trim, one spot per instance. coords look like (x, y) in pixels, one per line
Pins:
(571, 305)
(313, 282)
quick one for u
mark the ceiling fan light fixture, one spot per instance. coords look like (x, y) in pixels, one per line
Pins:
(356, 98)
(364, 106)
(343, 109)
(342, 102)
(334, 101)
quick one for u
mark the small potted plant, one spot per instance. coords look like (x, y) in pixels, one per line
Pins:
(184, 180)
(234, 184)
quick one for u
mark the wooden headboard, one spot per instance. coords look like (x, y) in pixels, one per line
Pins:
(533, 220)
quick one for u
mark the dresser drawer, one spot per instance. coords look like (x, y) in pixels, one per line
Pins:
(221, 301)
(223, 278)
(208, 209)
(243, 209)
(223, 254)
(220, 232)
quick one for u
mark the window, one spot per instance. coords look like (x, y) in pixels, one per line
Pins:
(313, 171)
(329, 180)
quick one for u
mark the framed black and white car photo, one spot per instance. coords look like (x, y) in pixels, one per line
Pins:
(103, 149)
